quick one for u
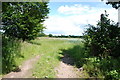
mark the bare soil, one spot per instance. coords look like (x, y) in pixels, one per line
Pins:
(64, 70)
(67, 70)
(25, 69)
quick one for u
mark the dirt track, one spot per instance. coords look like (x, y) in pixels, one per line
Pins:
(66, 69)
(25, 69)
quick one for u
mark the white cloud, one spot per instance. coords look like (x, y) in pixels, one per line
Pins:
(86, 10)
(77, 0)
(74, 9)
(62, 25)
(75, 17)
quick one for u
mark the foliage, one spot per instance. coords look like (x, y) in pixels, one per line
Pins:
(42, 35)
(103, 40)
(0, 54)
(24, 20)
(103, 43)
(21, 20)
(115, 4)
(65, 36)
(50, 35)
(10, 50)
(110, 68)
(107, 68)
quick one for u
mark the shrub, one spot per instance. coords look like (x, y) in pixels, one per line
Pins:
(50, 35)
(10, 49)
(104, 39)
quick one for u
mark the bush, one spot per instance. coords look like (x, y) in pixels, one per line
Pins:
(104, 39)
(103, 42)
(50, 35)
(10, 48)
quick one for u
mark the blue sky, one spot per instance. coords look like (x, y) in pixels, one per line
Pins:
(71, 18)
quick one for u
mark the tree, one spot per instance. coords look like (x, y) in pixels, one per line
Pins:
(115, 3)
(42, 35)
(21, 20)
(24, 20)
(50, 35)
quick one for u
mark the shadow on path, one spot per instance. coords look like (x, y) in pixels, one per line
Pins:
(74, 56)
(67, 60)
(67, 67)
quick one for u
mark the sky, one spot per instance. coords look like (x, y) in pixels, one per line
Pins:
(71, 18)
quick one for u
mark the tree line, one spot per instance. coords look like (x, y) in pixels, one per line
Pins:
(65, 36)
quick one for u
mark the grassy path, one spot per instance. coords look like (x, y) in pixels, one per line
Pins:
(50, 56)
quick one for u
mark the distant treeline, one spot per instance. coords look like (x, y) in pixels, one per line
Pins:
(66, 36)
(59, 36)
